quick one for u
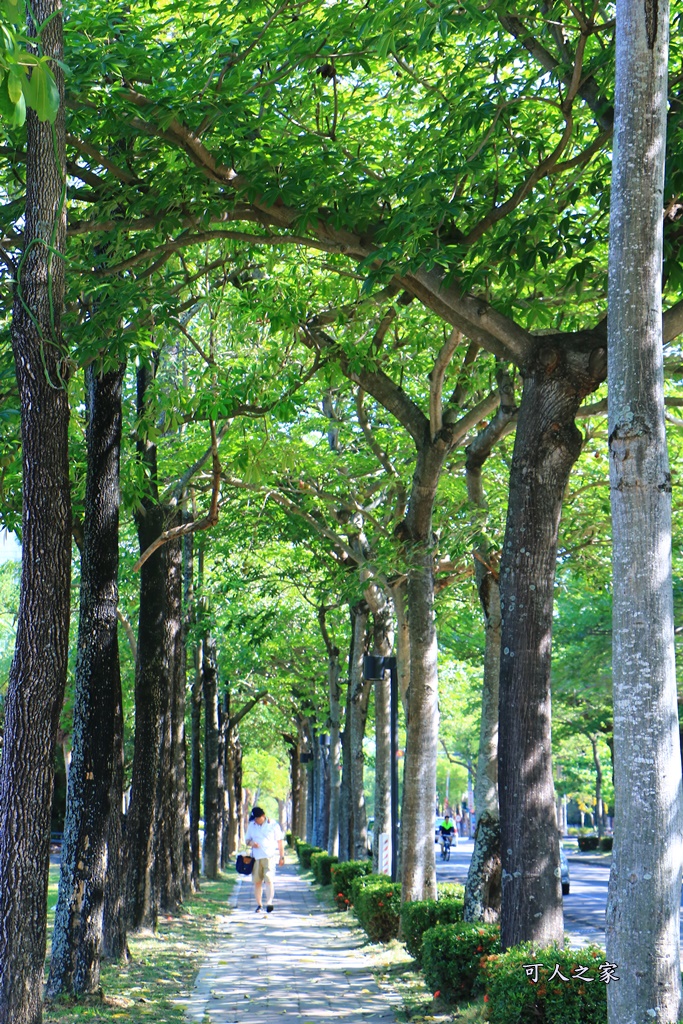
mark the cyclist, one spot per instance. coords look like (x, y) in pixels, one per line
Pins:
(447, 829)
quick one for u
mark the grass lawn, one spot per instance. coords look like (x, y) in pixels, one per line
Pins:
(161, 969)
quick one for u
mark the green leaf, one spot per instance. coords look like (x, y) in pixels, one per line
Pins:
(15, 83)
(42, 93)
(12, 11)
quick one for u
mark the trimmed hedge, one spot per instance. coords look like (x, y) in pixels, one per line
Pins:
(342, 878)
(321, 864)
(419, 916)
(289, 838)
(606, 843)
(305, 851)
(513, 996)
(377, 905)
(587, 843)
(453, 956)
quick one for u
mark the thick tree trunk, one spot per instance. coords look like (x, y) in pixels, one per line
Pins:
(151, 684)
(212, 786)
(645, 880)
(358, 714)
(419, 778)
(95, 779)
(38, 673)
(334, 693)
(483, 888)
(546, 446)
(418, 870)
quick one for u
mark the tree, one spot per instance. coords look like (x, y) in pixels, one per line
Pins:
(645, 880)
(38, 673)
(92, 832)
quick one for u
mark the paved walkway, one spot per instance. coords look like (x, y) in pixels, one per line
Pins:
(296, 964)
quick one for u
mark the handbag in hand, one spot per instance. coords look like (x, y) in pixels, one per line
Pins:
(244, 864)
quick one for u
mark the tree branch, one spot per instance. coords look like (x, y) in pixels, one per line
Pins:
(194, 527)
(436, 377)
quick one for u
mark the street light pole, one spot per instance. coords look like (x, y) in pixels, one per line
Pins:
(374, 667)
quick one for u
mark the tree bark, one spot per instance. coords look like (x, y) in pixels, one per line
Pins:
(382, 645)
(96, 777)
(172, 785)
(212, 786)
(38, 673)
(645, 879)
(547, 444)
(151, 684)
(483, 887)
(358, 714)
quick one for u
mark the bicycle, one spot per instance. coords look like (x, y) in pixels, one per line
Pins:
(446, 848)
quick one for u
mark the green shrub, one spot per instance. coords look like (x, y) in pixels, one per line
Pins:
(305, 852)
(377, 905)
(289, 838)
(342, 877)
(453, 956)
(513, 996)
(587, 843)
(321, 864)
(606, 843)
(453, 890)
(417, 917)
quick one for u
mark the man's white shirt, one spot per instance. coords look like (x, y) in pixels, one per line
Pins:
(267, 836)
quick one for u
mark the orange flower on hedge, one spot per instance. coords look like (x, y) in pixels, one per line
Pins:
(437, 993)
(486, 998)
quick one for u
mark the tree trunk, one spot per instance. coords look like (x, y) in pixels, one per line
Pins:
(212, 788)
(150, 686)
(172, 784)
(334, 694)
(358, 713)
(399, 595)
(38, 674)
(419, 778)
(95, 780)
(483, 888)
(645, 879)
(196, 763)
(546, 446)
(599, 809)
(382, 645)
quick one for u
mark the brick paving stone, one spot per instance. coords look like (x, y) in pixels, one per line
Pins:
(296, 964)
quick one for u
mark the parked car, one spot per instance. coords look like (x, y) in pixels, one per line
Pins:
(564, 872)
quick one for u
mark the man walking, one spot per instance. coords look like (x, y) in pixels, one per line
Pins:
(265, 838)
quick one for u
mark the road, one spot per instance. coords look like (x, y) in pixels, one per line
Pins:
(584, 907)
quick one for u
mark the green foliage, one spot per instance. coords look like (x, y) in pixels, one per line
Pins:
(343, 876)
(606, 843)
(289, 839)
(453, 956)
(377, 905)
(26, 79)
(419, 916)
(512, 995)
(321, 863)
(587, 843)
(304, 852)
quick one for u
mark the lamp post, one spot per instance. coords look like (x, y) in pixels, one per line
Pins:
(374, 667)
